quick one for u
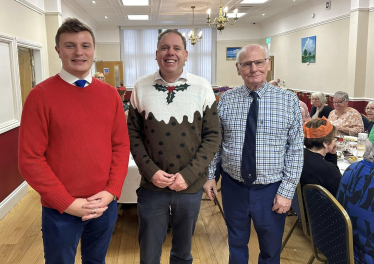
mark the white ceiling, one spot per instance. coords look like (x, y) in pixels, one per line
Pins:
(178, 12)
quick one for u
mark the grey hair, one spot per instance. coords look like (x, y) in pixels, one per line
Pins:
(251, 46)
(369, 151)
(343, 95)
(274, 82)
(370, 102)
(320, 96)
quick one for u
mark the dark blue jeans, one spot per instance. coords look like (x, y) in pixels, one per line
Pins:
(154, 215)
(61, 234)
(241, 204)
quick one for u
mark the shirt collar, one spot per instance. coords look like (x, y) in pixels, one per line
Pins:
(69, 78)
(182, 76)
(260, 92)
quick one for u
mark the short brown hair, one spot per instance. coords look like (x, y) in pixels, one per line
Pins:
(172, 31)
(318, 142)
(73, 25)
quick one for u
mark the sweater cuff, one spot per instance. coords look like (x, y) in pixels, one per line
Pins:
(62, 203)
(188, 175)
(150, 170)
(114, 188)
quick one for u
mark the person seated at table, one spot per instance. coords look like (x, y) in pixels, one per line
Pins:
(100, 76)
(320, 139)
(347, 120)
(319, 108)
(356, 192)
(370, 114)
(305, 113)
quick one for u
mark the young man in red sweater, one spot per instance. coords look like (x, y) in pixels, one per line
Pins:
(74, 151)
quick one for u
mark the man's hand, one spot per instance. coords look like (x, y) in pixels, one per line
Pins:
(281, 205)
(210, 188)
(162, 179)
(96, 202)
(179, 183)
(77, 209)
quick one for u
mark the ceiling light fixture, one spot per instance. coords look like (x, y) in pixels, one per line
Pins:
(222, 18)
(135, 2)
(94, 2)
(253, 1)
(263, 14)
(191, 36)
(106, 17)
(138, 17)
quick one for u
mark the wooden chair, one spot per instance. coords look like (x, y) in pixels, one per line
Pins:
(330, 226)
(298, 207)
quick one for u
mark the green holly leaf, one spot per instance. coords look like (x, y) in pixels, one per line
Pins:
(170, 97)
(160, 87)
(181, 87)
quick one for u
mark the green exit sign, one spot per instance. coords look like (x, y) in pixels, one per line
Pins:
(268, 41)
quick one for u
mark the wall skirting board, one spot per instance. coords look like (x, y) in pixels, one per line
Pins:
(9, 202)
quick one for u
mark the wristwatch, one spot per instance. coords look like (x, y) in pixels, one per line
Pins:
(115, 198)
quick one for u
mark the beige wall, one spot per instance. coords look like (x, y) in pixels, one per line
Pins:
(108, 52)
(369, 87)
(226, 69)
(329, 72)
(18, 21)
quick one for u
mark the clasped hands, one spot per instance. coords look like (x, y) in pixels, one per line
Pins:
(91, 207)
(175, 182)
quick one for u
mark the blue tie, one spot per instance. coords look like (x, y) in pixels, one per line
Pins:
(81, 83)
(249, 147)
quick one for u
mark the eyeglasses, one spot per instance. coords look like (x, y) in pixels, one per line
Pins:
(338, 139)
(369, 108)
(338, 103)
(258, 63)
(315, 99)
(100, 77)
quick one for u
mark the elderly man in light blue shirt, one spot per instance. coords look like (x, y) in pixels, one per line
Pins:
(261, 155)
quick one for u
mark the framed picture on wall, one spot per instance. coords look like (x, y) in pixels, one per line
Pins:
(231, 52)
(308, 49)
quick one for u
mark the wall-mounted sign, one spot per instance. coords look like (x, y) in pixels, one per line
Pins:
(106, 71)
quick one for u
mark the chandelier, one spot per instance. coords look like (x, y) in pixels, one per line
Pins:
(191, 36)
(222, 18)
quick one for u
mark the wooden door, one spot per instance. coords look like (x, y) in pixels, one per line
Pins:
(26, 72)
(270, 75)
(113, 74)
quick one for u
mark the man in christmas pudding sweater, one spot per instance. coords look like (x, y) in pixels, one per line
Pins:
(174, 134)
(74, 151)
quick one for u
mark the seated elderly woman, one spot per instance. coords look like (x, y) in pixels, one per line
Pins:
(356, 195)
(100, 76)
(319, 108)
(347, 120)
(370, 114)
(319, 140)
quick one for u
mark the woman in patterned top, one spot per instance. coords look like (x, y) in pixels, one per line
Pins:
(356, 195)
(347, 120)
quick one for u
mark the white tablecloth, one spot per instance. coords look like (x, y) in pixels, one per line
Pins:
(132, 181)
(343, 165)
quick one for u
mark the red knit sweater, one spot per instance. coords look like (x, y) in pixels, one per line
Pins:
(73, 141)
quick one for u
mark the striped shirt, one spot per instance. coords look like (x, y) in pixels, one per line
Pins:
(279, 136)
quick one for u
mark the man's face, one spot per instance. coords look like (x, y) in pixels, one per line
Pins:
(76, 51)
(254, 76)
(171, 55)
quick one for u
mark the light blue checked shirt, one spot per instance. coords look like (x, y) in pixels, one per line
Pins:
(279, 137)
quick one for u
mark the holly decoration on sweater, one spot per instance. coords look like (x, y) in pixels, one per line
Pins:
(171, 90)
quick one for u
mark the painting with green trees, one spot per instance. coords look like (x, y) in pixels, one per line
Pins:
(308, 49)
